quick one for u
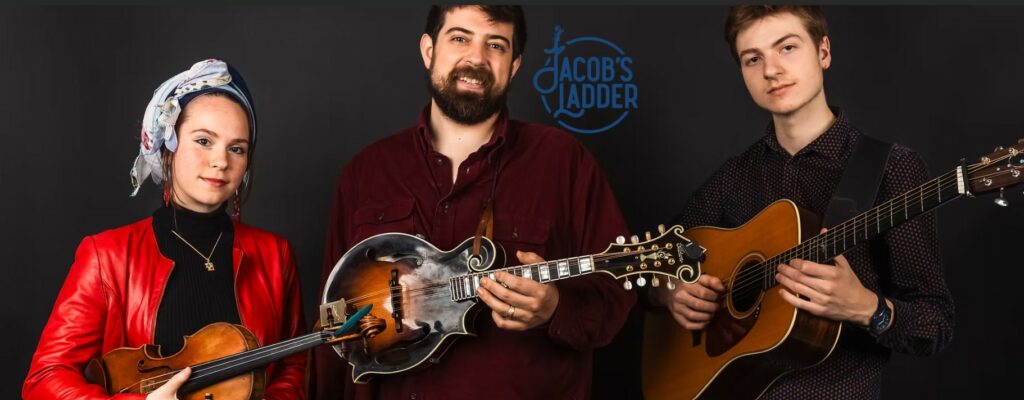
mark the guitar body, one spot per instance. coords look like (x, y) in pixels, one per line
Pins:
(411, 323)
(755, 337)
(142, 369)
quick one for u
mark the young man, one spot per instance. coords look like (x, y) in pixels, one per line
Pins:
(783, 52)
(550, 200)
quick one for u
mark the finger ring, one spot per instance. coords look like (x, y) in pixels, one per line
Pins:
(511, 312)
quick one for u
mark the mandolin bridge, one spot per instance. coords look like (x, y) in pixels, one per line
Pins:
(396, 300)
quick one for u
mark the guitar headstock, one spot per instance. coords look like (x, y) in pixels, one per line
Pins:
(1001, 169)
(669, 255)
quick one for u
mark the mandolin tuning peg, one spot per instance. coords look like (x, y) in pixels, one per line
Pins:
(998, 148)
(641, 281)
(670, 285)
(627, 285)
(634, 239)
(648, 235)
(620, 239)
(655, 282)
(1001, 201)
(661, 228)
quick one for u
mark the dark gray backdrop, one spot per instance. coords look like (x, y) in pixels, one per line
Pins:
(330, 80)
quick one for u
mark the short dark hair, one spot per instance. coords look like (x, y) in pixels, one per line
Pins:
(740, 17)
(509, 14)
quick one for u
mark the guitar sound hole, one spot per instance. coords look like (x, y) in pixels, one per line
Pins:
(746, 288)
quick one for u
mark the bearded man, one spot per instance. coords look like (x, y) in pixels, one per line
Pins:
(548, 197)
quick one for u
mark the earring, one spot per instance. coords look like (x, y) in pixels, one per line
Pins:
(238, 207)
(167, 196)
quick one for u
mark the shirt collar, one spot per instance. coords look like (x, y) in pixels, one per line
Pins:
(498, 138)
(833, 143)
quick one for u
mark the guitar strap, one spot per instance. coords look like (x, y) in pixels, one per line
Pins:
(861, 180)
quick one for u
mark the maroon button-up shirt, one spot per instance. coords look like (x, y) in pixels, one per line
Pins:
(551, 198)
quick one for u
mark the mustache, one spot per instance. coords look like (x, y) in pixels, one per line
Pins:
(481, 74)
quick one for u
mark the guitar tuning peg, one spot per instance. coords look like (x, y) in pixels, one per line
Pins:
(641, 281)
(670, 285)
(661, 228)
(1001, 201)
(634, 239)
(627, 284)
(648, 235)
(620, 239)
(655, 282)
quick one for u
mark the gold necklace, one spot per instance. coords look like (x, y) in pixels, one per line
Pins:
(209, 265)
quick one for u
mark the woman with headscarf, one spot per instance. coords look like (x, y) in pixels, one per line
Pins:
(189, 264)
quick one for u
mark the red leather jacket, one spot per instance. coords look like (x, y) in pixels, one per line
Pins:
(113, 291)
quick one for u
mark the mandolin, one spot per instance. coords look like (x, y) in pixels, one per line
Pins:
(756, 337)
(226, 360)
(424, 298)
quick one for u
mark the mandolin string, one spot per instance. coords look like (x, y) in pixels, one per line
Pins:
(444, 283)
(754, 275)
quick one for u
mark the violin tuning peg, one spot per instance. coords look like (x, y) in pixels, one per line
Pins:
(648, 235)
(661, 228)
(620, 239)
(634, 239)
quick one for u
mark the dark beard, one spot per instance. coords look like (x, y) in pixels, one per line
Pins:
(467, 108)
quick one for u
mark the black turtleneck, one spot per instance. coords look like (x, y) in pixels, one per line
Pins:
(194, 297)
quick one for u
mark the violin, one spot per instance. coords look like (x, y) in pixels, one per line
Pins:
(226, 359)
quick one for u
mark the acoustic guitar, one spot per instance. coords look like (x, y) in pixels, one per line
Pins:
(424, 298)
(226, 359)
(756, 337)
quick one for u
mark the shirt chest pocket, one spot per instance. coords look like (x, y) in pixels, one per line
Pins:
(525, 234)
(396, 216)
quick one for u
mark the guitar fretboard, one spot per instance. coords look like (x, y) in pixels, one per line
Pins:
(464, 287)
(865, 226)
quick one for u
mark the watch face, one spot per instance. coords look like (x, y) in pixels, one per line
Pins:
(880, 321)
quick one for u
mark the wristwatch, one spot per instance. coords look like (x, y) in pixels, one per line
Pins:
(881, 318)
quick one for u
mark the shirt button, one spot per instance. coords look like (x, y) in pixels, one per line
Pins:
(515, 234)
(413, 396)
(444, 207)
(380, 217)
(440, 161)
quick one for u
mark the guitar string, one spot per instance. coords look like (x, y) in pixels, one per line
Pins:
(755, 275)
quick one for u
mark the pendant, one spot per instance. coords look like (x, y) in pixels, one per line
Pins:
(209, 266)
